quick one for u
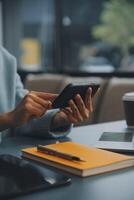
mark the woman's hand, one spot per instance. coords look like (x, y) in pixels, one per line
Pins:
(34, 104)
(77, 111)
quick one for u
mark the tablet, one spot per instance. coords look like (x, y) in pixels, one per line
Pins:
(116, 141)
(19, 177)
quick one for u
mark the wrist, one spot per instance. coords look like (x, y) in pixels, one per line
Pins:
(60, 120)
(6, 121)
(8, 117)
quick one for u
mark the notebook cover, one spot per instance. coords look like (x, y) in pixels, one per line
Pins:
(94, 158)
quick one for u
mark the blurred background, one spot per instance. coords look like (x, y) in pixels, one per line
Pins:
(65, 35)
(79, 38)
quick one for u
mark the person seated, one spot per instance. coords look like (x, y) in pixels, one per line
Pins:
(30, 113)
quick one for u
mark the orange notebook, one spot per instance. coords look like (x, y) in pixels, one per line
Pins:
(96, 161)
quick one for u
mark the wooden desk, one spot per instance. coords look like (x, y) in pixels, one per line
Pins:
(118, 185)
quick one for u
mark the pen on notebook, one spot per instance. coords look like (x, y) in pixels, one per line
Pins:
(54, 152)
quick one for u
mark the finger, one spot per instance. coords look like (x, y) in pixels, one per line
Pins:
(89, 90)
(81, 106)
(70, 116)
(68, 109)
(89, 105)
(31, 110)
(75, 111)
(38, 100)
(39, 107)
(98, 91)
(46, 96)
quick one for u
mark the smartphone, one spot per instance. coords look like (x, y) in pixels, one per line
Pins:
(70, 91)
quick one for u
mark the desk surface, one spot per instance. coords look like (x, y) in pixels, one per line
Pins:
(117, 185)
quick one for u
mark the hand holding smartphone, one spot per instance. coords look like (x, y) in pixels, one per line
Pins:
(70, 91)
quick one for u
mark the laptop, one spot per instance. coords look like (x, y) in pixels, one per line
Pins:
(117, 141)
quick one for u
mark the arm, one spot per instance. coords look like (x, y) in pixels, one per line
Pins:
(29, 115)
(57, 124)
(44, 127)
(5, 121)
(40, 126)
(26, 106)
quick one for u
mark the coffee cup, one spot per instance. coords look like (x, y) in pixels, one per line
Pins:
(128, 102)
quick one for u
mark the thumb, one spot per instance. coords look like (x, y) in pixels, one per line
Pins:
(46, 96)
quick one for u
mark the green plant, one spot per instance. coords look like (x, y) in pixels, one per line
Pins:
(117, 24)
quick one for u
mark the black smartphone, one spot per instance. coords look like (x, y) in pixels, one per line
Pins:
(70, 91)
